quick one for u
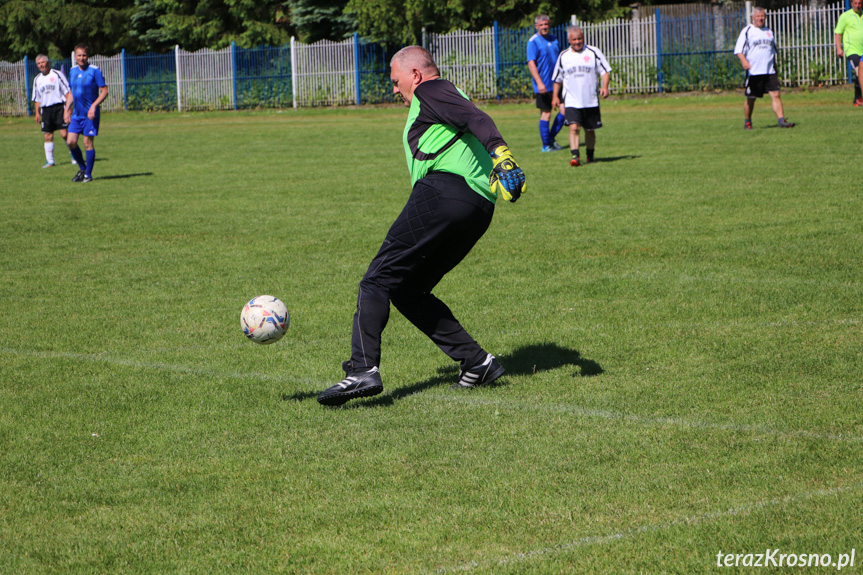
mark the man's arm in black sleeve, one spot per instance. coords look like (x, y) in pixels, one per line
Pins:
(444, 104)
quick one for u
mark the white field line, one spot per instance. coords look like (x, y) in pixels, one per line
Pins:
(517, 557)
(157, 366)
(462, 397)
(574, 410)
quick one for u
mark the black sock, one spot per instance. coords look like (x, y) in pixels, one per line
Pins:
(590, 154)
(574, 153)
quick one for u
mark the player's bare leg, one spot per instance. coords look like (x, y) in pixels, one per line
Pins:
(776, 101)
(860, 81)
(590, 140)
(748, 106)
(574, 143)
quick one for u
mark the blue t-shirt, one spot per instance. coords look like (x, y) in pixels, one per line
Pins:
(543, 50)
(85, 88)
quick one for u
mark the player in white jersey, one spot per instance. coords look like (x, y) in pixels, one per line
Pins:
(756, 49)
(51, 94)
(576, 73)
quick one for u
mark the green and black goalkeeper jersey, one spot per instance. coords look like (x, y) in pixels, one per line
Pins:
(445, 132)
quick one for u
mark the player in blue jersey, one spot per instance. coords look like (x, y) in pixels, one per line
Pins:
(542, 52)
(88, 92)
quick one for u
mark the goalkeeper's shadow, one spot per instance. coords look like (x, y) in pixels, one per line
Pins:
(525, 361)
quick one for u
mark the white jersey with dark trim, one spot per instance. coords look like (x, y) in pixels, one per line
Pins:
(758, 45)
(50, 89)
(578, 73)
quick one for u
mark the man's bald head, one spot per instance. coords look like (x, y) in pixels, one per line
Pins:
(416, 58)
(409, 68)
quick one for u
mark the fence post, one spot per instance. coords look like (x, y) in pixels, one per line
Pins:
(749, 12)
(177, 66)
(123, 74)
(425, 40)
(496, 55)
(719, 39)
(234, 70)
(357, 65)
(27, 85)
(659, 77)
(293, 73)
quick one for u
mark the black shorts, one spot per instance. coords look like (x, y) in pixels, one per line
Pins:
(543, 101)
(854, 59)
(757, 85)
(587, 118)
(52, 118)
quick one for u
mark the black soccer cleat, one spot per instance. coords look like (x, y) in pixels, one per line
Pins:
(86, 179)
(79, 177)
(358, 384)
(483, 374)
(783, 123)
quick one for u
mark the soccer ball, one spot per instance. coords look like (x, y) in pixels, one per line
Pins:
(265, 319)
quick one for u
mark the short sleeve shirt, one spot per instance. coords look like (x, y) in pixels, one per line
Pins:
(850, 25)
(758, 45)
(50, 89)
(579, 72)
(85, 88)
(543, 50)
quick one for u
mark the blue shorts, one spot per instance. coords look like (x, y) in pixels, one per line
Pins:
(84, 126)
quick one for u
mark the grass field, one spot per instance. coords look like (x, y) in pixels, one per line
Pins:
(680, 322)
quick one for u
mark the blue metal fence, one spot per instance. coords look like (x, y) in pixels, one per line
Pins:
(649, 54)
(150, 81)
(262, 77)
(696, 52)
(373, 73)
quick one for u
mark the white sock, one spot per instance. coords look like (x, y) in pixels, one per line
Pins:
(49, 152)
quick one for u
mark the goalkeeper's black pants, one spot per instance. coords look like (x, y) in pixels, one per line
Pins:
(442, 220)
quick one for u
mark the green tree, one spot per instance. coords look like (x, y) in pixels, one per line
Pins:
(213, 24)
(54, 27)
(402, 21)
(316, 20)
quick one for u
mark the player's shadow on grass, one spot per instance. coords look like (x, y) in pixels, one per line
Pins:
(601, 159)
(123, 176)
(524, 361)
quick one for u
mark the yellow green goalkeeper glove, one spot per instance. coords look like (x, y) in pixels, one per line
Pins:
(506, 178)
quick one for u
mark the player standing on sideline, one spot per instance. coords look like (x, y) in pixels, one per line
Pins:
(459, 164)
(51, 96)
(576, 71)
(88, 91)
(849, 43)
(756, 49)
(542, 51)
